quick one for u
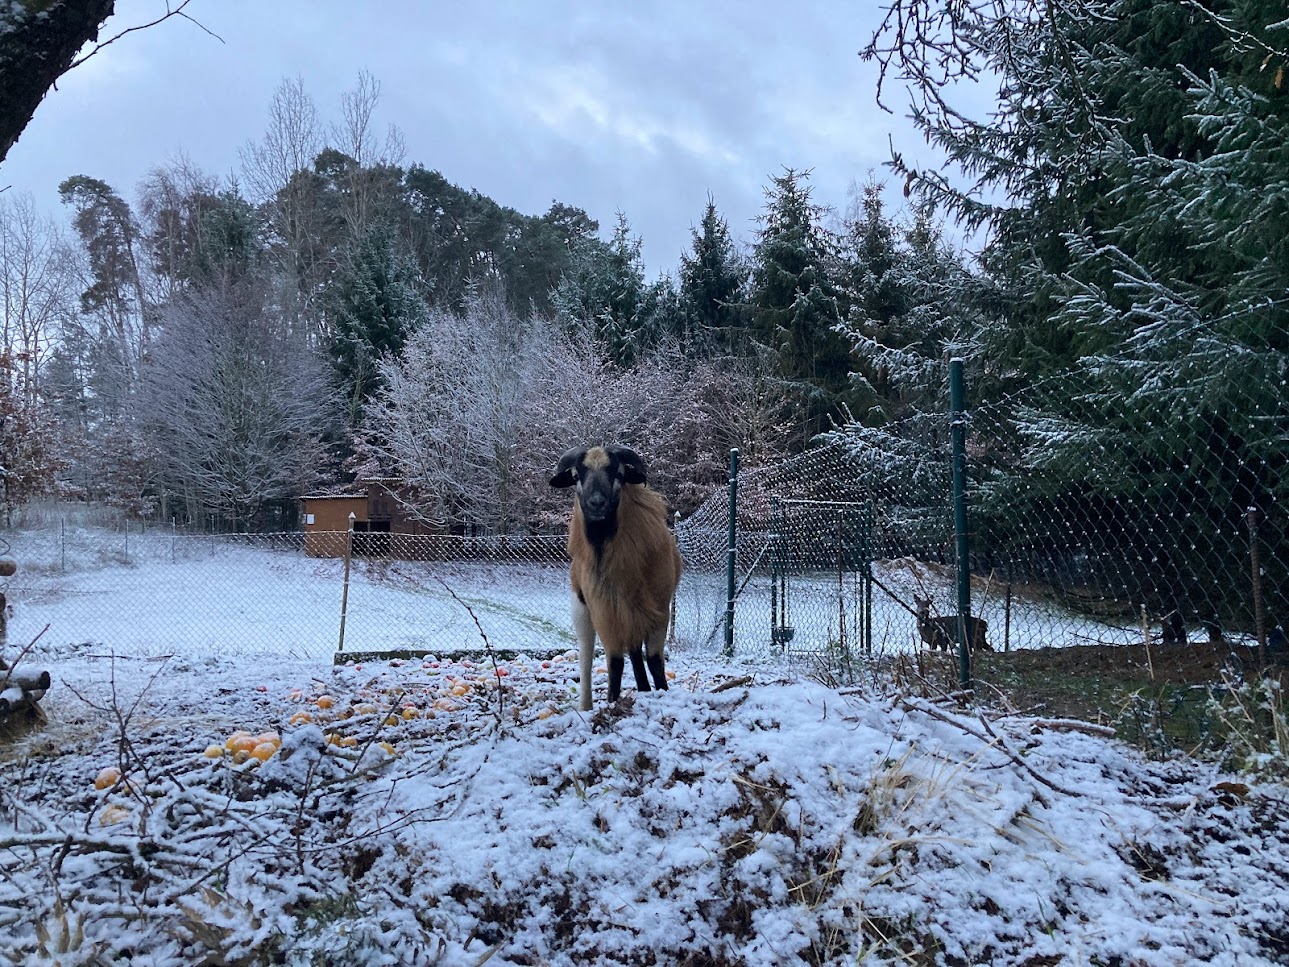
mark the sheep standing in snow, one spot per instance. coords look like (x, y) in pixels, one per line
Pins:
(625, 565)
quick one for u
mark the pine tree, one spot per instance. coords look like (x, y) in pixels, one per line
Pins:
(115, 296)
(793, 298)
(605, 291)
(909, 307)
(711, 292)
(377, 304)
(1134, 179)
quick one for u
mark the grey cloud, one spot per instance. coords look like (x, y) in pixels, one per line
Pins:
(639, 107)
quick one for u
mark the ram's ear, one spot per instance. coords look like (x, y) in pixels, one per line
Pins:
(565, 474)
(633, 468)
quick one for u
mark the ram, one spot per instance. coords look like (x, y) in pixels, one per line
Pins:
(625, 565)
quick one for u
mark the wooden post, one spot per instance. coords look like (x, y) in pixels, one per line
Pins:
(344, 595)
(1007, 619)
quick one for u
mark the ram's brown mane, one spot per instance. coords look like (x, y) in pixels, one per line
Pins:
(628, 586)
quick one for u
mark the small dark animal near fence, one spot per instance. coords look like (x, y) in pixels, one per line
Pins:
(941, 631)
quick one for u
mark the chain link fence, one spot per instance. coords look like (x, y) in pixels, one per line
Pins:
(1103, 510)
(1130, 507)
(111, 587)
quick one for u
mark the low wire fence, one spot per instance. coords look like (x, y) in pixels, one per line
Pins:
(90, 590)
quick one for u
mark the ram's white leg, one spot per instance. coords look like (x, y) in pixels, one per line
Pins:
(585, 647)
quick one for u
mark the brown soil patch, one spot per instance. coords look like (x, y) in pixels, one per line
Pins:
(1198, 663)
(1095, 682)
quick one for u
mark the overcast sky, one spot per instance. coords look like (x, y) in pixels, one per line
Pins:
(642, 107)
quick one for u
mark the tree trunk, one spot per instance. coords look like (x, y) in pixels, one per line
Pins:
(39, 39)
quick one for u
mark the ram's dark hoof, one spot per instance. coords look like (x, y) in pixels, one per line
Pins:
(659, 672)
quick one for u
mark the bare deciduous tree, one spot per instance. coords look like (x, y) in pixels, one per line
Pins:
(479, 406)
(235, 401)
(36, 289)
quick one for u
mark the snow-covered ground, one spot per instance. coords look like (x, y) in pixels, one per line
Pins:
(767, 823)
(448, 811)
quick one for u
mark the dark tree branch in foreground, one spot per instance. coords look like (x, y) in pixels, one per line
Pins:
(39, 39)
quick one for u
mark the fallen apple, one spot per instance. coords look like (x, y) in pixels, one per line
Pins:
(112, 815)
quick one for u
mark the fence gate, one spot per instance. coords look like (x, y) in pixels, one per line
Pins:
(821, 589)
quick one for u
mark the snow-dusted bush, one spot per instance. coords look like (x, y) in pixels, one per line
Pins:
(479, 405)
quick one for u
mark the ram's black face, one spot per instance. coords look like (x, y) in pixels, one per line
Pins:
(599, 474)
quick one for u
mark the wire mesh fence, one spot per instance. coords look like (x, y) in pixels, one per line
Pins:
(1103, 511)
(148, 592)
(1132, 510)
(1105, 508)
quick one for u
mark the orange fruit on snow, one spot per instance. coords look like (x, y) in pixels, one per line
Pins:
(392, 720)
(264, 751)
(461, 688)
(214, 752)
(411, 712)
(325, 701)
(234, 738)
(445, 705)
(300, 718)
(242, 743)
(107, 777)
(366, 708)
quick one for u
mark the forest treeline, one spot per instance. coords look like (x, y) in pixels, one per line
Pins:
(337, 312)
(223, 346)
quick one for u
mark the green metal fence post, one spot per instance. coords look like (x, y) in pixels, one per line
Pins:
(867, 564)
(958, 429)
(733, 555)
(775, 618)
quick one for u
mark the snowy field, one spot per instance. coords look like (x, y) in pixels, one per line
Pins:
(453, 811)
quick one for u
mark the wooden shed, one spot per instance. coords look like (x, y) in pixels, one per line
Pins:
(378, 508)
(326, 519)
